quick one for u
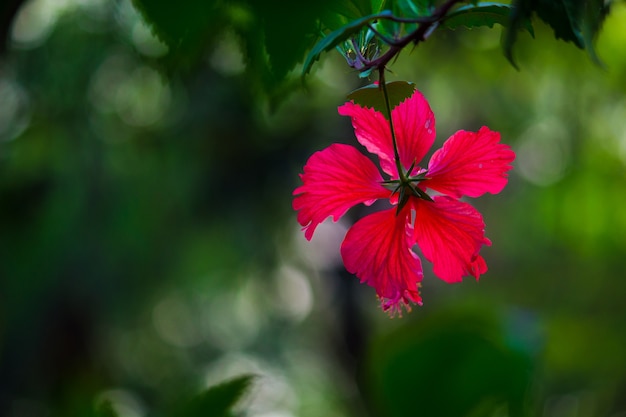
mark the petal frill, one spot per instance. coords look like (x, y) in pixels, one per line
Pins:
(414, 125)
(450, 234)
(470, 164)
(377, 249)
(334, 180)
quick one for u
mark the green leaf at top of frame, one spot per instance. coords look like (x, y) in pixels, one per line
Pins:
(561, 16)
(372, 95)
(595, 13)
(483, 14)
(576, 21)
(337, 36)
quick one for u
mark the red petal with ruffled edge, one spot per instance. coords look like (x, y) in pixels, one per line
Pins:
(334, 180)
(414, 125)
(377, 249)
(471, 164)
(450, 234)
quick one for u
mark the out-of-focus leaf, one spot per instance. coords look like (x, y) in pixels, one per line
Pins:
(339, 35)
(288, 32)
(483, 14)
(365, 7)
(372, 95)
(594, 13)
(186, 30)
(273, 38)
(520, 16)
(218, 400)
(378, 5)
(576, 21)
(559, 14)
(414, 8)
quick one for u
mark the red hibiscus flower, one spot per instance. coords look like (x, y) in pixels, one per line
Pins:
(449, 232)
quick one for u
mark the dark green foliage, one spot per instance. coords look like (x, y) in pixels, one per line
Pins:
(483, 14)
(576, 21)
(287, 32)
(273, 38)
(557, 14)
(187, 30)
(372, 95)
(412, 8)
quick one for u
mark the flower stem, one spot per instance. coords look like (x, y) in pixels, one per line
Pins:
(396, 154)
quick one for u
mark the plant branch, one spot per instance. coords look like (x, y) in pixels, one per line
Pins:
(427, 25)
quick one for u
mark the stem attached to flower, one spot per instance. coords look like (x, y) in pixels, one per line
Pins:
(404, 180)
(396, 154)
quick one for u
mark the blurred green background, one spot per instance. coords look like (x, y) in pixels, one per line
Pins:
(148, 248)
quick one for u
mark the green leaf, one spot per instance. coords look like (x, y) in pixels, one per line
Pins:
(576, 21)
(560, 15)
(483, 14)
(414, 8)
(593, 15)
(337, 36)
(521, 13)
(218, 400)
(372, 95)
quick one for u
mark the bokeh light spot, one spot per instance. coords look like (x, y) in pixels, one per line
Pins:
(175, 322)
(14, 111)
(543, 153)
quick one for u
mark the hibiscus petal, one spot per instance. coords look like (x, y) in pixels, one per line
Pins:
(471, 164)
(372, 131)
(450, 234)
(414, 125)
(334, 180)
(377, 249)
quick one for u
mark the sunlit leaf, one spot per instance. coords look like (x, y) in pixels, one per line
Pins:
(372, 95)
